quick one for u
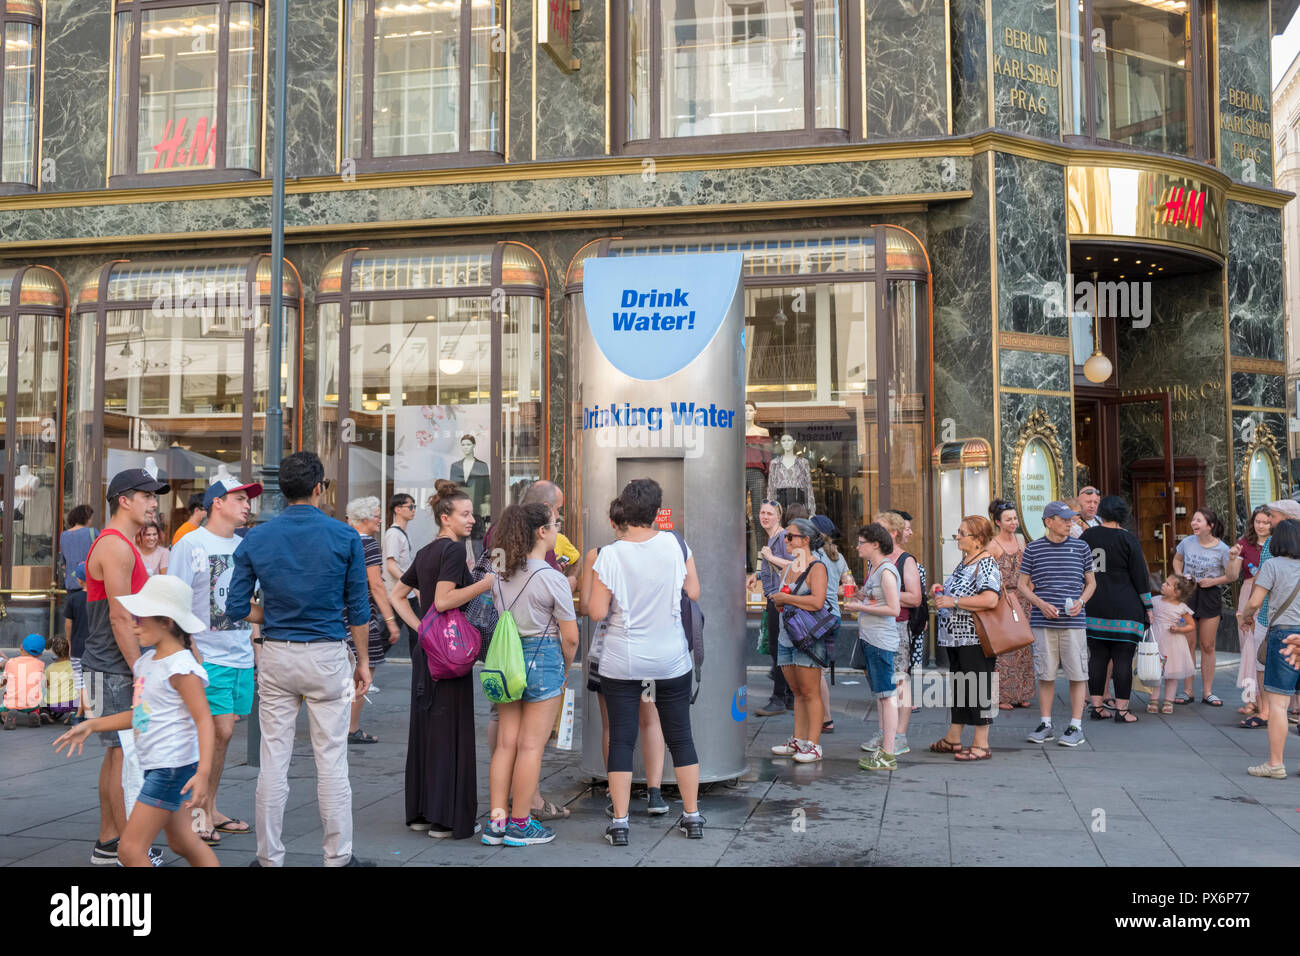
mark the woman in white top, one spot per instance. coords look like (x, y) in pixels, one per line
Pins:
(638, 584)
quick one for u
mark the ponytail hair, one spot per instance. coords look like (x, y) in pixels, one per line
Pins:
(446, 494)
(617, 517)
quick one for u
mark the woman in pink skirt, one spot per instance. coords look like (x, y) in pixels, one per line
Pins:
(1016, 684)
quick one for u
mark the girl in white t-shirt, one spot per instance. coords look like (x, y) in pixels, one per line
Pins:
(172, 723)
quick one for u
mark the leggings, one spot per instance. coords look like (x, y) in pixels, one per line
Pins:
(1102, 653)
(672, 698)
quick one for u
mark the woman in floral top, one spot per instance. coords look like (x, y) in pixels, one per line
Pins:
(976, 585)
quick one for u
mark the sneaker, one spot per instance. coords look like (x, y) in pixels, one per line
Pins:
(529, 835)
(34, 719)
(810, 754)
(617, 836)
(772, 708)
(655, 803)
(104, 854)
(900, 745)
(11, 720)
(357, 861)
(1042, 734)
(444, 833)
(1265, 770)
(495, 834)
(692, 826)
(872, 745)
(787, 749)
(879, 761)
(1072, 737)
(419, 826)
(155, 856)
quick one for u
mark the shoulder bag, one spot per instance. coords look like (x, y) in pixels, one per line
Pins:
(804, 628)
(692, 625)
(1273, 615)
(1002, 628)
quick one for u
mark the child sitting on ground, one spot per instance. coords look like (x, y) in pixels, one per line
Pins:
(1171, 619)
(60, 683)
(24, 684)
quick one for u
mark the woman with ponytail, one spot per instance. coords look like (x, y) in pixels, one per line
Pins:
(441, 781)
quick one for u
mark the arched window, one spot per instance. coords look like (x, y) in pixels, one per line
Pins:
(770, 71)
(20, 32)
(187, 92)
(1137, 74)
(423, 83)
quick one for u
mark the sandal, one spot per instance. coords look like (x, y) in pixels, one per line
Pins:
(359, 736)
(233, 826)
(945, 746)
(1252, 723)
(1153, 707)
(1125, 717)
(1183, 698)
(1213, 700)
(549, 811)
(1101, 713)
(1167, 708)
(1248, 710)
(209, 837)
(1108, 703)
(828, 727)
(970, 754)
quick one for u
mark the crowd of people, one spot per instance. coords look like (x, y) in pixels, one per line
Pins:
(167, 643)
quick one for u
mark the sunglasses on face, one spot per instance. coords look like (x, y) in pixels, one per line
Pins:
(796, 537)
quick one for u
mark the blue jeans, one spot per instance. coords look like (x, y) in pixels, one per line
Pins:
(1279, 676)
(544, 662)
(787, 655)
(880, 671)
(162, 786)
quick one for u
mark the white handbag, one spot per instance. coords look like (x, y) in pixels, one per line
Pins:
(1150, 665)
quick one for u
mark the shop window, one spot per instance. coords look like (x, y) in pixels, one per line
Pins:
(423, 83)
(1137, 74)
(837, 369)
(32, 316)
(171, 365)
(431, 366)
(187, 92)
(20, 33)
(766, 68)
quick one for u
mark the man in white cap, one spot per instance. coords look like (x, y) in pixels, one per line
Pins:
(205, 560)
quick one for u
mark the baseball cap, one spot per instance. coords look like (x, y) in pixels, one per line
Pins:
(135, 479)
(34, 644)
(1286, 506)
(164, 595)
(223, 486)
(1058, 509)
(825, 525)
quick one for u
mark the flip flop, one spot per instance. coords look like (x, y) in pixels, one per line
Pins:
(1182, 698)
(1213, 700)
(233, 826)
(359, 736)
(209, 837)
(549, 811)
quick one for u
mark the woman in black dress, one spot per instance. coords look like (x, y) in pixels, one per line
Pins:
(1119, 611)
(441, 780)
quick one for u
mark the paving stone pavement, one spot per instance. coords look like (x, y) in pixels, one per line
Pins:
(1167, 791)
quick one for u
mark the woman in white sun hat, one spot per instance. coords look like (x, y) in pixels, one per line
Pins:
(172, 723)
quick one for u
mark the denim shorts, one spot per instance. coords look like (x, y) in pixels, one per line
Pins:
(545, 663)
(1279, 676)
(880, 671)
(162, 786)
(787, 655)
(108, 694)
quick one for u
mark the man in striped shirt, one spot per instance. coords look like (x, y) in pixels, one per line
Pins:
(1056, 578)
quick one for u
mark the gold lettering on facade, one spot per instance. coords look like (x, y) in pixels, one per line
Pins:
(1026, 71)
(1247, 125)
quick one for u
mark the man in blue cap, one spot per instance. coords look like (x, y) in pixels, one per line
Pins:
(1056, 578)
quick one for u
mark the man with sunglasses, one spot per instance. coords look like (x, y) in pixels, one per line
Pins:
(1089, 501)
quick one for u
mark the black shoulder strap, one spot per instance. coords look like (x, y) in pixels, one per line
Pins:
(681, 542)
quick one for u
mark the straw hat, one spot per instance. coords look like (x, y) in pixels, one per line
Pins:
(165, 596)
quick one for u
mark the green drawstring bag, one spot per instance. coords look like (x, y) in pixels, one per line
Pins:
(504, 676)
(763, 647)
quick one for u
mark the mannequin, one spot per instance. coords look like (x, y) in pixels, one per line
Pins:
(223, 473)
(151, 466)
(471, 473)
(790, 477)
(32, 504)
(758, 452)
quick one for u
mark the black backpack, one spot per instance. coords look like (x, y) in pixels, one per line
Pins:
(918, 618)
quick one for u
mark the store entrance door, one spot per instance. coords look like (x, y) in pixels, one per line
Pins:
(1154, 492)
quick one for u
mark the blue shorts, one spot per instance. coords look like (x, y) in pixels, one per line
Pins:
(229, 690)
(162, 786)
(787, 656)
(880, 671)
(1279, 676)
(545, 663)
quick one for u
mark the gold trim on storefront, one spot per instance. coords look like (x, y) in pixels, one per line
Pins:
(997, 319)
(947, 58)
(1028, 342)
(1259, 408)
(1227, 408)
(1053, 393)
(1258, 366)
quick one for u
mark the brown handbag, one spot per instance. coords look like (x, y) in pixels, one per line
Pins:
(1003, 628)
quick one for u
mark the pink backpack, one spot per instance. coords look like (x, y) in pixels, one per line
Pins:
(450, 643)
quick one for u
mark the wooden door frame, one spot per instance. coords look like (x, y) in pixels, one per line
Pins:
(1111, 405)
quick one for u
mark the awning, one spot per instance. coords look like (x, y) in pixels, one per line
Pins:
(42, 288)
(137, 285)
(434, 271)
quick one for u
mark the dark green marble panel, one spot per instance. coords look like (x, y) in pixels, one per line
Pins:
(75, 92)
(1259, 391)
(906, 69)
(969, 66)
(312, 79)
(1275, 422)
(1180, 352)
(520, 113)
(1040, 370)
(571, 106)
(1245, 91)
(1031, 245)
(1026, 69)
(1015, 410)
(1255, 286)
(963, 307)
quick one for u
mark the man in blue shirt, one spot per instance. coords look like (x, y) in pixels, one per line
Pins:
(311, 570)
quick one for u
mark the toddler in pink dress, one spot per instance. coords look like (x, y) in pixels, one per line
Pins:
(1171, 619)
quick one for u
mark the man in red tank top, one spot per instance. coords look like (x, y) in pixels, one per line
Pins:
(114, 568)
